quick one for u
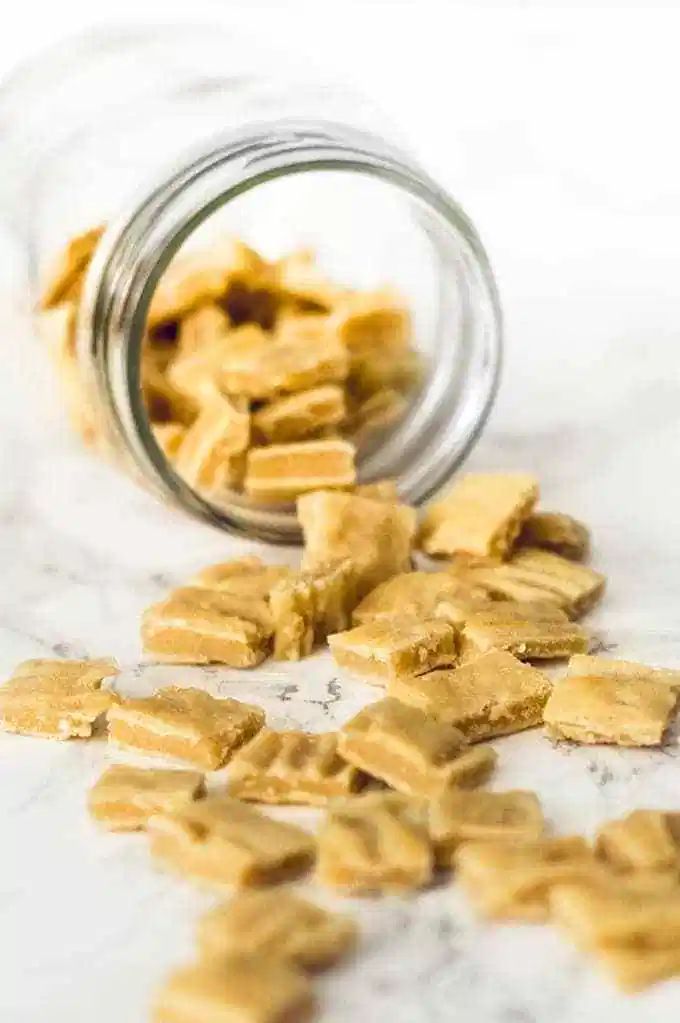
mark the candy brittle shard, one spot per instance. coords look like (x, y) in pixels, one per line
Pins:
(388, 647)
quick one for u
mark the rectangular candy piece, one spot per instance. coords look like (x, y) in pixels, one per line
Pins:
(226, 842)
(388, 647)
(645, 840)
(292, 767)
(528, 640)
(535, 574)
(189, 724)
(592, 664)
(376, 535)
(618, 916)
(247, 577)
(411, 593)
(276, 925)
(297, 416)
(56, 699)
(619, 711)
(124, 798)
(372, 321)
(402, 746)
(195, 278)
(285, 364)
(556, 532)
(373, 843)
(205, 457)
(238, 990)
(513, 880)
(458, 816)
(493, 695)
(460, 609)
(482, 514)
(280, 472)
(65, 279)
(185, 631)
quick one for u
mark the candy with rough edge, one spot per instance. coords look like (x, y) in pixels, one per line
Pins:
(412, 593)
(388, 647)
(206, 453)
(458, 816)
(554, 531)
(124, 797)
(298, 416)
(281, 472)
(593, 664)
(528, 640)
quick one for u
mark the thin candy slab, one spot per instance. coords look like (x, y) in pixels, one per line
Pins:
(124, 798)
(387, 647)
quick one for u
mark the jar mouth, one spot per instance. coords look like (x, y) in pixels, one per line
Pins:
(436, 434)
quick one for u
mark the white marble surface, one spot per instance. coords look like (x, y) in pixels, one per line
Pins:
(590, 402)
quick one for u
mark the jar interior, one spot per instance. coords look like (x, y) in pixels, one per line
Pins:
(368, 233)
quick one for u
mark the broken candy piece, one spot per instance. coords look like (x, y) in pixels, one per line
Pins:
(189, 724)
(388, 647)
(482, 515)
(276, 925)
(297, 416)
(458, 816)
(493, 695)
(124, 798)
(223, 841)
(554, 531)
(590, 664)
(528, 640)
(412, 593)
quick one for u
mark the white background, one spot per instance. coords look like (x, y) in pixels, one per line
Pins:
(557, 130)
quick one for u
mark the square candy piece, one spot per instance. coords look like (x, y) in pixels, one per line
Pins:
(493, 695)
(481, 515)
(556, 532)
(460, 609)
(618, 711)
(296, 416)
(412, 593)
(376, 842)
(225, 842)
(280, 472)
(458, 816)
(189, 724)
(513, 880)
(590, 664)
(376, 535)
(389, 647)
(276, 925)
(292, 767)
(125, 797)
(56, 699)
(645, 840)
(401, 746)
(187, 631)
(528, 640)
(236, 991)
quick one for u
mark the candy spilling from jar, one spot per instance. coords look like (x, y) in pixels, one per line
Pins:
(258, 377)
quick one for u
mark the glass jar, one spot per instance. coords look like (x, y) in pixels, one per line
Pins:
(146, 132)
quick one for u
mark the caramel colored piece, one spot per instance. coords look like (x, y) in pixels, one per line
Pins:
(388, 647)
(379, 490)
(56, 699)
(298, 416)
(195, 373)
(376, 535)
(163, 401)
(186, 631)
(472, 767)
(556, 532)
(621, 711)
(231, 603)
(238, 990)
(482, 514)
(493, 695)
(246, 577)
(276, 925)
(65, 279)
(538, 575)
(280, 472)
(300, 359)
(459, 609)
(513, 880)
(334, 589)
(458, 816)
(645, 840)
(205, 455)
(293, 613)
(527, 640)
(373, 843)
(292, 767)
(372, 321)
(401, 746)
(193, 279)
(586, 664)
(189, 724)
(226, 842)
(124, 798)
(169, 437)
(412, 593)
(202, 328)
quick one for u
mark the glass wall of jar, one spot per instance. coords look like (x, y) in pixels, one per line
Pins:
(146, 135)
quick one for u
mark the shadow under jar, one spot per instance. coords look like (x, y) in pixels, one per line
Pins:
(145, 133)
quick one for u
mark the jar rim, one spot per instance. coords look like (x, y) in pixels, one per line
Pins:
(138, 247)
